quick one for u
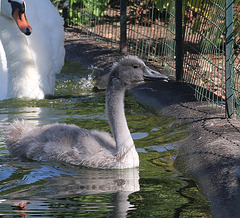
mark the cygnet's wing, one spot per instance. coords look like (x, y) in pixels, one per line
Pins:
(60, 142)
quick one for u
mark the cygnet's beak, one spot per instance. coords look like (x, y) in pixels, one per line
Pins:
(150, 74)
(18, 13)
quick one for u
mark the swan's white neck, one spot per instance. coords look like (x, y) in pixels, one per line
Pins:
(125, 147)
(23, 77)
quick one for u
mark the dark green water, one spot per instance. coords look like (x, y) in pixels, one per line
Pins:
(156, 189)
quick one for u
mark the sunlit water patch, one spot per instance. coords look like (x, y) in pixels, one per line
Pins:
(48, 189)
(74, 80)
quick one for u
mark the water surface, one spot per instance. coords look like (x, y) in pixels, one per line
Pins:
(156, 189)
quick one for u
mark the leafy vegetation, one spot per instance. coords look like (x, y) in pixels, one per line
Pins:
(82, 11)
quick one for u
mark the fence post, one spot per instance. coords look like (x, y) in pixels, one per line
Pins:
(179, 40)
(228, 53)
(65, 11)
(123, 26)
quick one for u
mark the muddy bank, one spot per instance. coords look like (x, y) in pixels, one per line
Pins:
(212, 152)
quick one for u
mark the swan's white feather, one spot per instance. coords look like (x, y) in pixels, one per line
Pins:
(46, 41)
(3, 72)
(46, 45)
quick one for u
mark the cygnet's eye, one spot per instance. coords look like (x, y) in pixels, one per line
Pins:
(135, 66)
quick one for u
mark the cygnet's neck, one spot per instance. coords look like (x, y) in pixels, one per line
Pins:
(116, 116)
(23, 77)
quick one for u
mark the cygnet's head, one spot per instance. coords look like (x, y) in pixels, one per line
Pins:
(131, 71)
(17, 9)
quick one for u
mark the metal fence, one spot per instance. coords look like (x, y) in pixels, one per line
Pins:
(211, 51)
(196, 41)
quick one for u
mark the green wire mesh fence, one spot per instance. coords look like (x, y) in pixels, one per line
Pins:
(151, 32)
(150, 26)
(211, 51)
(204, 56)
(235, 57)
(196, 41)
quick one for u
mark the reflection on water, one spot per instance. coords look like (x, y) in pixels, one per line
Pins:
(156, 189)
(39, 182)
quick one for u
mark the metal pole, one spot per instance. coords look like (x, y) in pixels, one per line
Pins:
(228, 53)
(123, 26)
(179, 40)
(65, 11)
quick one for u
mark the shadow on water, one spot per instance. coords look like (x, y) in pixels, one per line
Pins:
(156, 189)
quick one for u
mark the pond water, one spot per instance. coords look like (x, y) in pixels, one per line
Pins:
(49, 189)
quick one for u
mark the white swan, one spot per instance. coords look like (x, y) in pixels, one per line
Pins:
(30, 58)
(91, 148)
